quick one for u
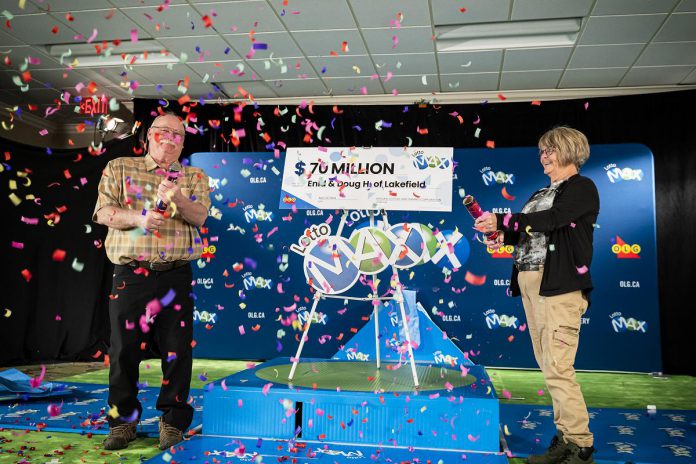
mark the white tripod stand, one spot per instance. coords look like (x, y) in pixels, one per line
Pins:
(374, 297)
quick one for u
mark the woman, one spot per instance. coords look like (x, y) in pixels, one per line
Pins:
(553, 239)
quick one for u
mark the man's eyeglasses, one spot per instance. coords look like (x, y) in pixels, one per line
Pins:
(546, 151)
(168, 132)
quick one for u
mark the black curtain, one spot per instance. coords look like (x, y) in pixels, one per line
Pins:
(656, 120)
(55, 278)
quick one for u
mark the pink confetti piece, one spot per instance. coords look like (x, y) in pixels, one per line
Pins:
(134, 35)
(582, 270)
(43, 132)
(473, 438)
(54, 409)
(507, 394)
(93, 36)
(540, 392)
(266, 388)
(240, 403)
(572, 224)
(241, 330)
(449, 386)
(18, 245)
(36, 381)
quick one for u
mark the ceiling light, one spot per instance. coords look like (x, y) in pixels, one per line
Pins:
(118, 60)
(511, 34)
(126, 53)
(91, 49)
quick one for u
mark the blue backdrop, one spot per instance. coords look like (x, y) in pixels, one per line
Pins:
(248, 283)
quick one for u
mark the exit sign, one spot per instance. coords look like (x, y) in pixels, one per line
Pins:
(92, 107)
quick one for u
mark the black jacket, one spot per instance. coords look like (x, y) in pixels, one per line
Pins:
(569, 226)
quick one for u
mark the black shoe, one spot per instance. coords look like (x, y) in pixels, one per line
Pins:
(168, 435)
(555, 454)
(577, 455)
(119, 436)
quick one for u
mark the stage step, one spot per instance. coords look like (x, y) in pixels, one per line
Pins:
(353, 402)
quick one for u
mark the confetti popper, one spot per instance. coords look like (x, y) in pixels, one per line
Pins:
(475, 211)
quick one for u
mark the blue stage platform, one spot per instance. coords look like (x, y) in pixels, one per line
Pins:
(210, 450)
(354, 403)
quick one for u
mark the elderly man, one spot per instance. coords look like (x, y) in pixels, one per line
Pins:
(152, 206)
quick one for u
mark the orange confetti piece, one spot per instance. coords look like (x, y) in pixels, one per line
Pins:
(506, 195)
(474, 279)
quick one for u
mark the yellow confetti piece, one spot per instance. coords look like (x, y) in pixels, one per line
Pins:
(15, 199)
(13, 184)
(113, 412)
(528, 230)
(506, 430)
(488, 390)
(242, 305)
(8, 312)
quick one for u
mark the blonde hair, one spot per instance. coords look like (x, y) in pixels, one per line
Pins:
(571, 145)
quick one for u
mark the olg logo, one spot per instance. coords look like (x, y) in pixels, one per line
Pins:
(624, 250)
(621, 324)
(494, 321)
(502, 252)
(490, 177)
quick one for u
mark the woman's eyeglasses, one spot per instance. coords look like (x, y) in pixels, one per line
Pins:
(546, 151)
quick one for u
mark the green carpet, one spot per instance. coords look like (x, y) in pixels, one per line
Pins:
(634, 391)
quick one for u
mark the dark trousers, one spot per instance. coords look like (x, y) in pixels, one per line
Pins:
(170, 335)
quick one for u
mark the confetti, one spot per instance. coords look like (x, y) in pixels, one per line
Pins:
(474, 279)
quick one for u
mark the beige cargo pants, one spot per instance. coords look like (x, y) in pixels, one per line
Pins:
(554, 325)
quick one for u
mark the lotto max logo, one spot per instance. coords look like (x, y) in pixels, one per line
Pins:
(423, 161)
(624, 250)
(617, 174)
(502, 252)
(621, 324)
(491, 177)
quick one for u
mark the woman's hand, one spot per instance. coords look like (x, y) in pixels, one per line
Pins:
(494, 244)
(487, 222)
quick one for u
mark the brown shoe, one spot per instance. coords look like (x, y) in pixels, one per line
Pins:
(119, 436)
(555, 454)
(169, 435)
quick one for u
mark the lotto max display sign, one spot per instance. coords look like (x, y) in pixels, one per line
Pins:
(261, 266)
(404, 178)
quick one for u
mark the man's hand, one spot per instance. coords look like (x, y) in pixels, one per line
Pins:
(494, 244)
(151, 221)
(169, 192)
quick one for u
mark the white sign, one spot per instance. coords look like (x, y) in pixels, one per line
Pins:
(389, 178)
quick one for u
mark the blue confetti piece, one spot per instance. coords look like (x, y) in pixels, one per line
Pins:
(168, 298)
(227, 51)
(259, 46)
(323, 70)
